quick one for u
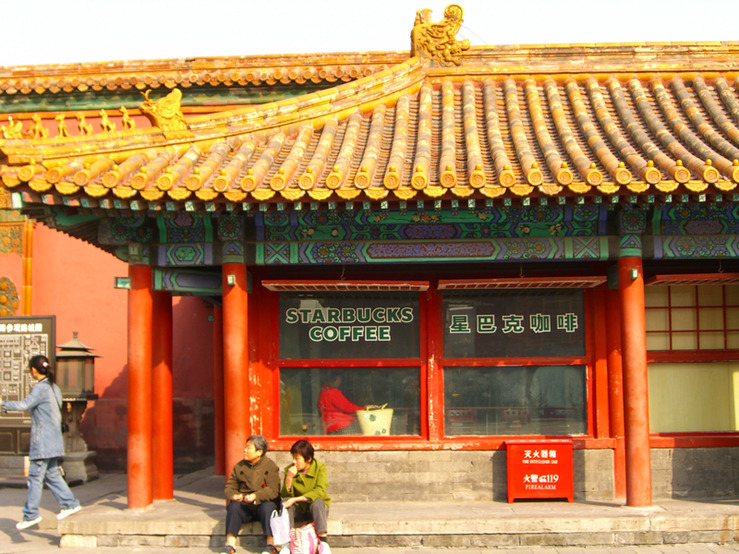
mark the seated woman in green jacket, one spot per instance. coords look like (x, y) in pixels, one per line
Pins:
(305, 486)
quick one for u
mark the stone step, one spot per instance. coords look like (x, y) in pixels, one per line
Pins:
(409, 524)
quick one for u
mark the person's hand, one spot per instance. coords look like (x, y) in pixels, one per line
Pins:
(292, 471)
(238, 497)
(250, 497)
(286, 503)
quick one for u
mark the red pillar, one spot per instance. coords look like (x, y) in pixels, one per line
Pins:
(235, 363)
(616, 390)
(634, 356)
(219, 440)
(162, 396)
(601, 398)
(432, 412)
(139, 462)
(27, 257)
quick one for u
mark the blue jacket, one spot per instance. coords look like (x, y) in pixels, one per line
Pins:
(44, 403)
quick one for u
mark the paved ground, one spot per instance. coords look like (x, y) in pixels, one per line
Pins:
(45, 537)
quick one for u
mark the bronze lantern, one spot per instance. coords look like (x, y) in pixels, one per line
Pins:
(75, 375)
(75, 370)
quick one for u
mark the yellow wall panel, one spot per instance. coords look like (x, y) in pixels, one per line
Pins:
(710, 295)
(693, 397)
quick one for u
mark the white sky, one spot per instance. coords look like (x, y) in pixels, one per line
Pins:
(71, 31)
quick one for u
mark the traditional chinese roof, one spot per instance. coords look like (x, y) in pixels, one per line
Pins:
(249, 80)
(513, 124)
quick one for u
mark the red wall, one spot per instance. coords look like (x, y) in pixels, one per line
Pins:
(75, 281)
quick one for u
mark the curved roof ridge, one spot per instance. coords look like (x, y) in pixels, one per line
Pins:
(348, 66)
(338, 102)
(315, 108)
(413, 133)
(187, 72)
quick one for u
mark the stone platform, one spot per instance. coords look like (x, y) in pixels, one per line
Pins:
(195, 518)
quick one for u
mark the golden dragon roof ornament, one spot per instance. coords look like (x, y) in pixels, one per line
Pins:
(437, 41)
(166, 114)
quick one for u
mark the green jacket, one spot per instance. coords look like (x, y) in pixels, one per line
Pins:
(312, 485)
(261, 478)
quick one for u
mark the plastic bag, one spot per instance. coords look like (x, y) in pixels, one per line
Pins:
(304, 540)
(279, 523)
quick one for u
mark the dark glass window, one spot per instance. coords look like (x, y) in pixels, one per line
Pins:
(303, 390)
(515, 400)
(349, 325)
(496, 398)
(501, 324)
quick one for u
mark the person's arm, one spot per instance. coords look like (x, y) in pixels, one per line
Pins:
(287, 488)
(341, 403)
(24, 405)
(232, 488)
(287, 484)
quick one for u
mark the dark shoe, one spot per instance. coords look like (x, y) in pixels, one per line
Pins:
(228, 549)
(270, 549)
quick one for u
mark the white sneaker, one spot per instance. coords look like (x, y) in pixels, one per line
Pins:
(68, 512)
(26, 523)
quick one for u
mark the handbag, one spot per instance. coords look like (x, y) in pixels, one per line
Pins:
(65, 425)
(279, 523)
(304, 540)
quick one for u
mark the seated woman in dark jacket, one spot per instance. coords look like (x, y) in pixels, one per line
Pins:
(253, 493)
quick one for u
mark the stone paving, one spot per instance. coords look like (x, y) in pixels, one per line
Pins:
(198, 501)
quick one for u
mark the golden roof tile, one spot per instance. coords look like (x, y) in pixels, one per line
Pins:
(501, 124)
(213, 72)
(613, 134)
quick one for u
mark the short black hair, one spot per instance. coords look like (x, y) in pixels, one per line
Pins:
(304, 448)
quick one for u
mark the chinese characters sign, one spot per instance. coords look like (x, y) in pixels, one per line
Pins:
(341, 325)
(539, 469)
(514, 324)
(21, 338)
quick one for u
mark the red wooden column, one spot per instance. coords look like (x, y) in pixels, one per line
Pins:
(219, 435)
(432, 413)
(235, 363)
(27, 257)
(636, 400)
(601, 398)
(162, 396)
(616, 390)
(139, 463)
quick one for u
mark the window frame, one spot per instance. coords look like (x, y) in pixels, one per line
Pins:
(697, 354)
(586, 359)
(419, 287)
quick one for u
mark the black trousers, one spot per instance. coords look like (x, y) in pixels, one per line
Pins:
(238, 513)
